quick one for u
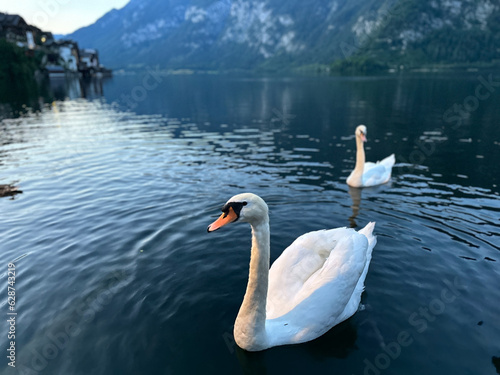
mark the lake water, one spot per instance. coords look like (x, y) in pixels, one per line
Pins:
(115, 273)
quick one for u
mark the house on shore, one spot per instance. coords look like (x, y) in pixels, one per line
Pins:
(90, 64)
(69, 55)
(60, 57)
(15, 30)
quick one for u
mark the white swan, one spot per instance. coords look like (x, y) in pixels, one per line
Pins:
(368, 174)
(315, 284)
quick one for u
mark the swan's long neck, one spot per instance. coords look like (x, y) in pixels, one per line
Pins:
(360, 156)
(249, 328)
(357, 173)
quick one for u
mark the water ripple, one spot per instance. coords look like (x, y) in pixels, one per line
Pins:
(109, 234)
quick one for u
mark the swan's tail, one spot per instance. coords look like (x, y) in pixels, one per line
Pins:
(389, 161)
(372, 241)
(368, 232)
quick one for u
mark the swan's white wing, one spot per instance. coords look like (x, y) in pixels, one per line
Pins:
(352, 305)
(369, 165)
(298, 262)
(378, 173)
(309, 262)
(328, 296)
(375, 176)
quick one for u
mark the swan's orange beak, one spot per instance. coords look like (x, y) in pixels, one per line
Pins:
(224, 219)
(363, 137)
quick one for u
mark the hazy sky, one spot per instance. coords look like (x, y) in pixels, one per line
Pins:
(60, 16)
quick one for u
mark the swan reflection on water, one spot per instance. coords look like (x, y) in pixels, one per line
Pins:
(339, 342)
(356, 194)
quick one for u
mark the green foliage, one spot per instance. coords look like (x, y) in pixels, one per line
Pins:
(17, 73)
(463, 46)
(15, 66)
(359, 65)
(440, 38)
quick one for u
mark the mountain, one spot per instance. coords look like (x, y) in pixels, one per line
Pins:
(437, 32)
(275, 34)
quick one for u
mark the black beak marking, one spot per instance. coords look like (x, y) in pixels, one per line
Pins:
(236, 206)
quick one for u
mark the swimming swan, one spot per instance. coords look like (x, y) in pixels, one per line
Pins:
(368, 174)
(314, 285)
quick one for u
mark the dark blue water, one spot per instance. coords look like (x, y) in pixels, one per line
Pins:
(115, 273)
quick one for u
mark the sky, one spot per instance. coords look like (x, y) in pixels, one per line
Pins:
(60, 16)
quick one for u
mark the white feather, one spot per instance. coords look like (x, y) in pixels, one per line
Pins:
(317, 283)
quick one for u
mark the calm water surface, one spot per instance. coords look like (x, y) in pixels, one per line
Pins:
(117, 275)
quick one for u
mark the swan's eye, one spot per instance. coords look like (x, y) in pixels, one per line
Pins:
(236, 206)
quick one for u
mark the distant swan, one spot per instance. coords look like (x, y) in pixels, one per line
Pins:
(315, 284)
(368, 174)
